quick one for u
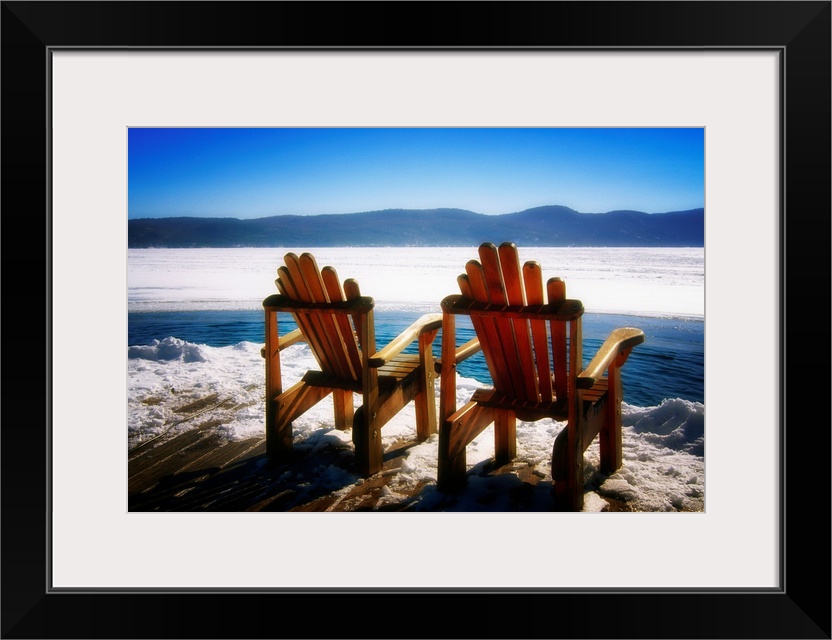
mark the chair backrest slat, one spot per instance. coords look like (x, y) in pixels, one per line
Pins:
(556, 289)
(533, 277)
(490, 328)
(351, 289)
(506, 341)
(516, 295)
(286, 286)
(337, 346)
(346, 329)
(479, 327)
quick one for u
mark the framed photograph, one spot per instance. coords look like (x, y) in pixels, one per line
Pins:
(81, 82)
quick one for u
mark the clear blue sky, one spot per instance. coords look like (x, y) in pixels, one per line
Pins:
(252, 173)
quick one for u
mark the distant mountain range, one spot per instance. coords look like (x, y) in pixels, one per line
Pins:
(550, 226)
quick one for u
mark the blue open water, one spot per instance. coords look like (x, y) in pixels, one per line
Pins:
(669, 364)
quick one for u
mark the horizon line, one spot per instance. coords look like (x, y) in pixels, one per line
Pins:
(392, 209)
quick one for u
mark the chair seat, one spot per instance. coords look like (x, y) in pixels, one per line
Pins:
(399, 368)
(394, 373)
(531, 411)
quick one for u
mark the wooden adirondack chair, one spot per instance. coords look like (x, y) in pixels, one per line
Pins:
(515, 329)
(337, 322)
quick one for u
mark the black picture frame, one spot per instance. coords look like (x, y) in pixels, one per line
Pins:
(800, 31)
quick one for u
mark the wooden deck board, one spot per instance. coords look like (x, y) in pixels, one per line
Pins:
(198, 471)
(170, 458)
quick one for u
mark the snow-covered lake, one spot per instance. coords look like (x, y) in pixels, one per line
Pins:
(636, 281)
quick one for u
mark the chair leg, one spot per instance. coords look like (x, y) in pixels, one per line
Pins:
(454, 435)
(366, 439)
(559, 472)
(278, 443)
(505, 437)
(368, 448)
(425, 400)
(425, 406)
(568, 470)
(285, 408)
(450, 470)
(344, 410)
(568, 454)
(610, 438)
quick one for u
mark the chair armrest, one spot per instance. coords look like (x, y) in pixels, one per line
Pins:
(463, 352)
(619, 342)
(288, 340)
(428, 322)
(293, 337)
